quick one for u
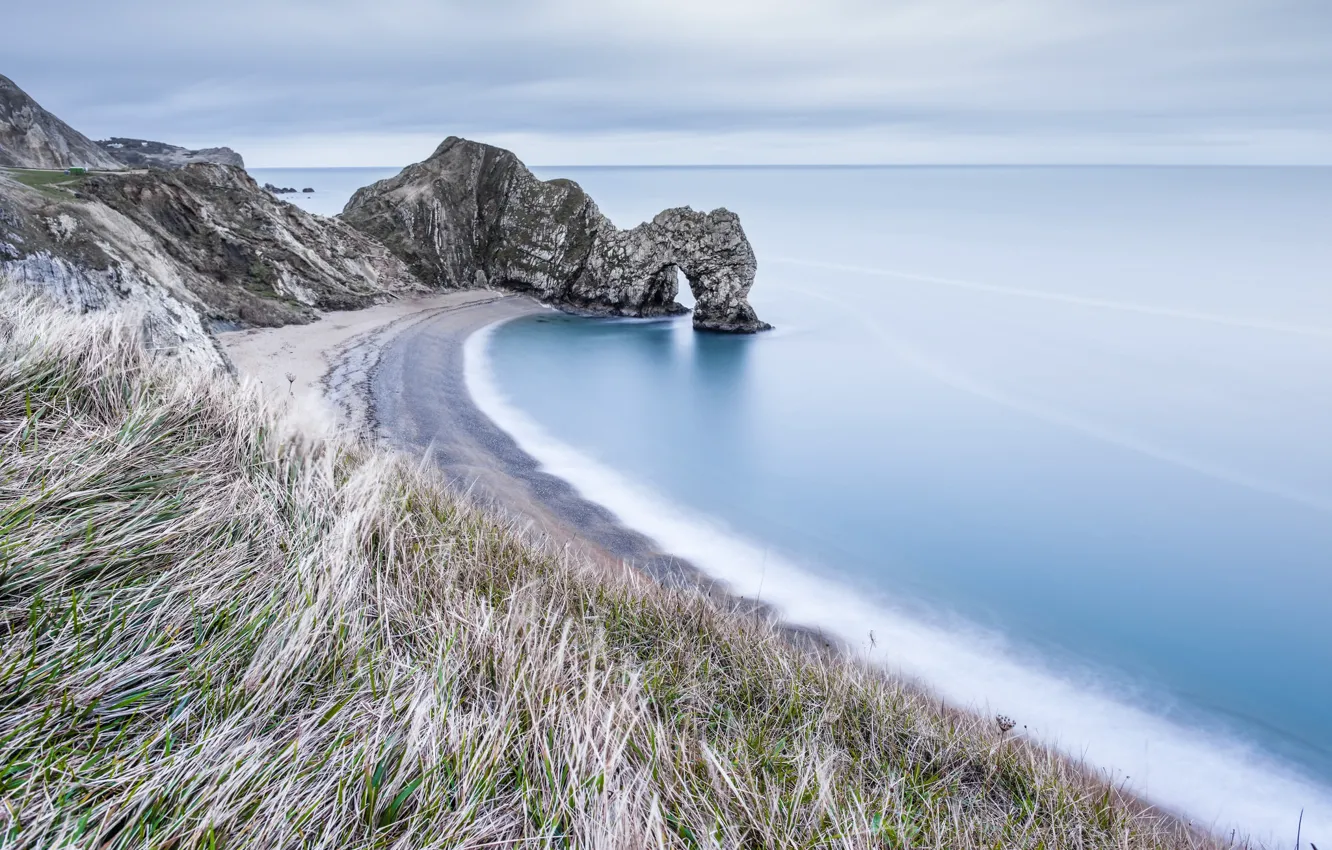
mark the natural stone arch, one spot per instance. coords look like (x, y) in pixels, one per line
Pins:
(473, 215)
(711, 250)
(637, 270)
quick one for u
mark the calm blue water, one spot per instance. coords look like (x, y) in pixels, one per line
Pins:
(333, 187)
(1085, 409)
(1059, 437)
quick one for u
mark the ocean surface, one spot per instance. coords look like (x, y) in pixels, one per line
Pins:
(1056, 441)
(333, 187)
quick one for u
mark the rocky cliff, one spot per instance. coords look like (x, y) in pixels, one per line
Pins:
(473, 215)
(90, 258)
(186, 250)
(31, 137)
(139, 153)
(249, 257)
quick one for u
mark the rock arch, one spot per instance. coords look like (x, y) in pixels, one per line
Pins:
(473, 215)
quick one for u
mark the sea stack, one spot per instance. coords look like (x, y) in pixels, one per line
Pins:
(473, 215)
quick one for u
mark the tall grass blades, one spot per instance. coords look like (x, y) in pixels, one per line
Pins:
(218, 631)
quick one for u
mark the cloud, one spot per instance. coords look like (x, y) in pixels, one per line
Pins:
(1044, 77)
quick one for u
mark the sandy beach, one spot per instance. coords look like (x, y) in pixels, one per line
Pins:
(331, 359)
(394, 372)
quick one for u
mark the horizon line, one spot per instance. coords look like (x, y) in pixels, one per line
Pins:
(855, 166)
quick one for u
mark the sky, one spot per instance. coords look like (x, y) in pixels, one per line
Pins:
(585, 82)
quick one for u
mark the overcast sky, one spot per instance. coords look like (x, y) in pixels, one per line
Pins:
(339, 82)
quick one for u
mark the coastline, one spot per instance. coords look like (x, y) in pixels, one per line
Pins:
(436, 626)
(352, 367)
(328, 361)
(371, 357)
(440, 419)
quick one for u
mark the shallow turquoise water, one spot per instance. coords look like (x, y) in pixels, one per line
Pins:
(1086, 410)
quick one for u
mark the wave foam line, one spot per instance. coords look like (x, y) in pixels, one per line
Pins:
(1077, 300)
(1220, 781)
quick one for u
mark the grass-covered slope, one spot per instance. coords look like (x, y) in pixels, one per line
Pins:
(217, 632)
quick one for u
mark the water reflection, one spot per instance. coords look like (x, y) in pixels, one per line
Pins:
(719, 396)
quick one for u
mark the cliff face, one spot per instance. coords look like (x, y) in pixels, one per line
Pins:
(473, 215)
(187, 249)
(183, 249)
(139, 153)
(90, 258)
(249, 257)
(31, 137)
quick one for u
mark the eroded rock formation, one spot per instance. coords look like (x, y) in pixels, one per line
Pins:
(184, 250)
(251, 258)
(90, 258)
(473, 215)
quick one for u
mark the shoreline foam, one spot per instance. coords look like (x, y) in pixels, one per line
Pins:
(1218, 781)
(507, 459)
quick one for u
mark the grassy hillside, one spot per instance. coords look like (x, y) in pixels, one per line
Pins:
(218, 631)
(50, 182)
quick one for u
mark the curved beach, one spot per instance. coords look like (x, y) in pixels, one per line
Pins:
(401, 372)
(396, 371)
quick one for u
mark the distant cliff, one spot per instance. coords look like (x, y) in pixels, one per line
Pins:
(31, 137)
(139, 153)
(252, 258)
(474, 215)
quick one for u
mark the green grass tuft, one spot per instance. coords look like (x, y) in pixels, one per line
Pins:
(50, 182)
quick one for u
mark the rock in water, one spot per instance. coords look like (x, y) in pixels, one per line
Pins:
(473, 215)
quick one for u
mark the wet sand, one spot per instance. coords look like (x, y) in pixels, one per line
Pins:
(331, 359)
(420, 403)
(394, 372)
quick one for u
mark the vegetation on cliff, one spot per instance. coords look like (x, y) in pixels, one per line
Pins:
(223, 630)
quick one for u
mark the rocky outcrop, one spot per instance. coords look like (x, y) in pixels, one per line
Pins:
(248, 257)
(473, 215)
(188, 250)
(637, 267)
(91, 259)
(185, 250)
(140, 153)
(31, 137)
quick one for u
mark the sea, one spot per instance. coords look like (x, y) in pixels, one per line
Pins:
(1056, 442)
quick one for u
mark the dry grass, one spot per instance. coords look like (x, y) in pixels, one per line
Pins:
(218, 632)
